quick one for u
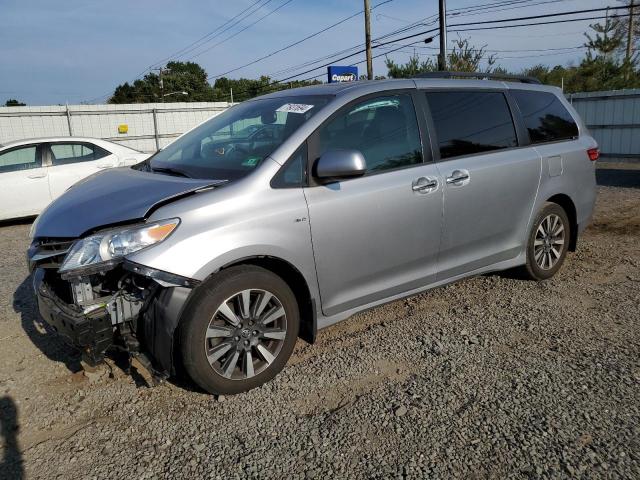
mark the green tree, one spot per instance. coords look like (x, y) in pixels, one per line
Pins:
(413, 67)
(622, 24)
(604, 67)
(177, 77)
(12, 102)
(467, 58)
(463, 58)
(246, 88)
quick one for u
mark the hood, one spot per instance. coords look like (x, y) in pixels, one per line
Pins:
(110, 197)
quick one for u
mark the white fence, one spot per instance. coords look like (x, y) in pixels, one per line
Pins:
(150, 126)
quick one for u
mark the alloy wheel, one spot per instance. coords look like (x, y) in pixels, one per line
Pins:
(245, 334)
(549, 241)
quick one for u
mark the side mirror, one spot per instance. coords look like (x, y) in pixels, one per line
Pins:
(337, 164)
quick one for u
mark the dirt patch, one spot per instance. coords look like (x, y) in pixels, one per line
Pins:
(346, 391)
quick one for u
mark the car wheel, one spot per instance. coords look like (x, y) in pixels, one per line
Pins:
(548, 242)
(239, 330)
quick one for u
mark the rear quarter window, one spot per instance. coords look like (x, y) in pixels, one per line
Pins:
(545, 117)
(65, 153)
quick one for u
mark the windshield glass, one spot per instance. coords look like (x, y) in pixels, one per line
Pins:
(234, 143)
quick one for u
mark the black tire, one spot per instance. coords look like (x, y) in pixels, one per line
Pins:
(533, 269)
(203, 307)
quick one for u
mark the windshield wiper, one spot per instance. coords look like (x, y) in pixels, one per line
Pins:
(170, 171)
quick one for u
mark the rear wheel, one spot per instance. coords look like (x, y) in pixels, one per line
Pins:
(239, 330)
(548, 242)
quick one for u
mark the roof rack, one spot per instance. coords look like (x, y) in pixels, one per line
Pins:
(479, 75)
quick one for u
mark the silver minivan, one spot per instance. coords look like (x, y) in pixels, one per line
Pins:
(292, 211)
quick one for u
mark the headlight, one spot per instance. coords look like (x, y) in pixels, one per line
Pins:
(110, 246)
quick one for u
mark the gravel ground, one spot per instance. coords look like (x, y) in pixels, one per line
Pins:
(492, 377)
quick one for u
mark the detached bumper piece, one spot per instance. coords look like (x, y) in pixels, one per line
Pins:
(91, 332)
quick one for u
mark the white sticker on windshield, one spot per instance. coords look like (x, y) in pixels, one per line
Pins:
(295, 108)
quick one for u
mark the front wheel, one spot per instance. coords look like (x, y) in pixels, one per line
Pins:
(239, 330)
(548, 242)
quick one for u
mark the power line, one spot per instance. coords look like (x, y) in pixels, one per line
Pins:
(515, 50)
(193, 45)
(199, 42)
(226, 29)
(241, 30)
(548, 15)
(360, 51)
(497, 57)
(533, 24)
(418, 23)
(453, 28)
(470, 29)
(261, 88)
(503, 8)
(275, 82)
(315, 34)
(209, 36)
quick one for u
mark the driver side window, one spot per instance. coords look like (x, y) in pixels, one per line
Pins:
(384, 129)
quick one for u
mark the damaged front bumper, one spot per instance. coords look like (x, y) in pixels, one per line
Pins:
(87, 329)
(127, 306)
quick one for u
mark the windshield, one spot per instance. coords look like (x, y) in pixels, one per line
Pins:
(234, 143)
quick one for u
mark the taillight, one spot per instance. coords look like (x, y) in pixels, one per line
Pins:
(594, 154)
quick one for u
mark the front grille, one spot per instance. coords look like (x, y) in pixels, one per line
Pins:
(49, 252)
(53, 244)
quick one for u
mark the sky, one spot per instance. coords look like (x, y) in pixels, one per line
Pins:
(80, 50)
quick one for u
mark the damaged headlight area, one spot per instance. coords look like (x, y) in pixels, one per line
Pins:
(97, 299)
(101, 250)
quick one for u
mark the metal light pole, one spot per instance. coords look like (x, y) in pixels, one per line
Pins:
(442, 58)
(174, 93)
(367, 39)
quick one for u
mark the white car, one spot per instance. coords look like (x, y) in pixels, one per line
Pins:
(34, 172)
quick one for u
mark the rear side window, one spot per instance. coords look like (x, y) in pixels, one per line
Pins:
(23, 158)
(545, 117)
(471, 122)
(65, 153)
(384, 129)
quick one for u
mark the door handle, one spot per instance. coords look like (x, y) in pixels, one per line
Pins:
(37, 175)
(424, 184)
(104, 165)
(458, 176)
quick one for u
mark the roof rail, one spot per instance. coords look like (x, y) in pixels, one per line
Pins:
(479, 75)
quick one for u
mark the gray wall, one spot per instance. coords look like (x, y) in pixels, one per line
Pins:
(614, 120)
(151, 125)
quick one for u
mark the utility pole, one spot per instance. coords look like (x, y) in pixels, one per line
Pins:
(161, 86)
(606, 42)
(367, 39)
(442, 58)
(161, 70)
(630, 33)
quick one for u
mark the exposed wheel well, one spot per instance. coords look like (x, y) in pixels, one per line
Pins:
(567, 204)
(298, 285)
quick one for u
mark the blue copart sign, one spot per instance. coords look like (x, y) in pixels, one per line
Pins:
(338, 73)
